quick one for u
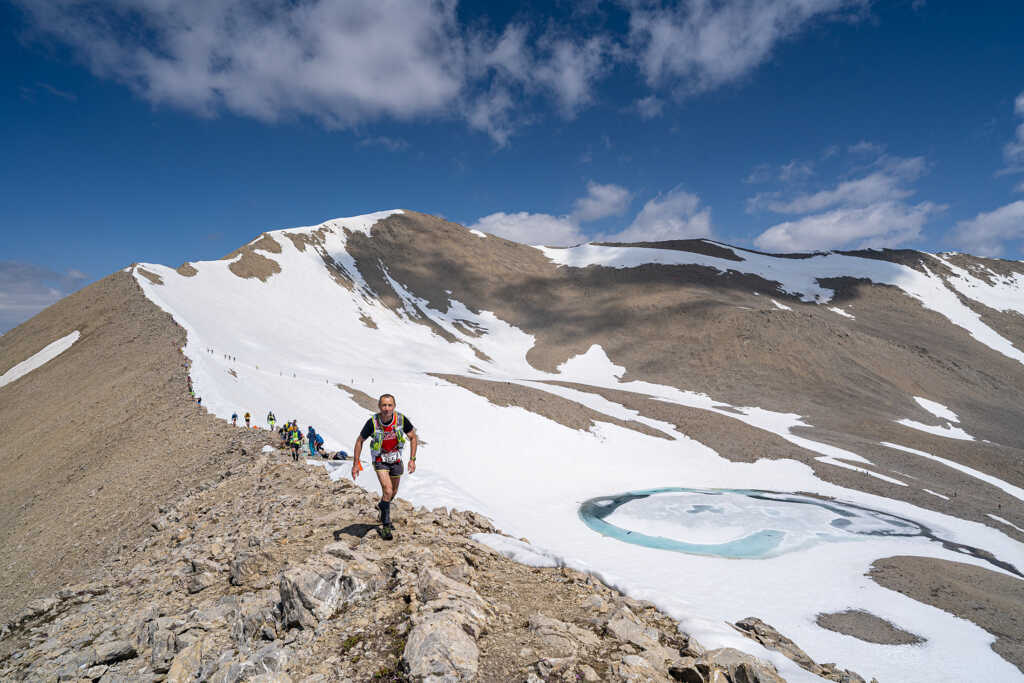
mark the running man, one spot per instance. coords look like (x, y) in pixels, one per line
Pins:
(388, 431)
(247, 417)
(271, 419)
(234, 419)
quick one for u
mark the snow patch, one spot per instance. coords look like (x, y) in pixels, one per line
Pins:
(39, 358)
(939, 495)
(592, 367)
(519, 551)
(1011, 524)
(836, 309)
(1010, 489)
(781, 307)
(937, 409)
(947, 430)
(478, 233)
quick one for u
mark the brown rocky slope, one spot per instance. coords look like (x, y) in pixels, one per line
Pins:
(93, 439)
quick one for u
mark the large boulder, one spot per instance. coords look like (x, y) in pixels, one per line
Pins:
(252, 569)
(312, 593)
(560, 638)
(442, 644)
(439, 649)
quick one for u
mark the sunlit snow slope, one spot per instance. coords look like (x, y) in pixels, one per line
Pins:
(320, 321)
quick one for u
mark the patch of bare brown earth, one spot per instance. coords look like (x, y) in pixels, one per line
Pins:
(186, 269)
(361, 398)
(270, 571)
(95, 438)
(989, 599)
(563, 411)
(867, 627)
(249, 263)
(152, 277)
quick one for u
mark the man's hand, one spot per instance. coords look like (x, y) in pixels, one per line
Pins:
(357, 467)
(412, 466)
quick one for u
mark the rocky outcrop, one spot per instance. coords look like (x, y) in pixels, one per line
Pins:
(757, 630)
(238, 581)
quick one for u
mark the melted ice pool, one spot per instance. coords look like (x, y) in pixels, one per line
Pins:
(736, 523)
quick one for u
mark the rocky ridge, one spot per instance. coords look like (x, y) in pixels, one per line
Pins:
(272, 572)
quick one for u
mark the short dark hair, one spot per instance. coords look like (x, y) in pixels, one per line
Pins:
(384, 396)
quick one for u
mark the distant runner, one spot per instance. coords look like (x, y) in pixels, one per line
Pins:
(234, 419)
(388, 431)
(247, 416)
(295, 442)
(271, 420)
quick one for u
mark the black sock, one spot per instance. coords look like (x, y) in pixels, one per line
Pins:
(385, 512)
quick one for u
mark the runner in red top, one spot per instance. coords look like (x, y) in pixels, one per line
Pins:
(388, 431)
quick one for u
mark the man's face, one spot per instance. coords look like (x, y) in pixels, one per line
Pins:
(387, 407)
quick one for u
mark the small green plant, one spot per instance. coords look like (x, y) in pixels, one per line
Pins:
(350, 642)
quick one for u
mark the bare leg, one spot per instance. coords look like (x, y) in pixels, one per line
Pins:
(387, 492)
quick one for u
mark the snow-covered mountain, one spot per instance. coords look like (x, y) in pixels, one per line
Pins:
(710, 383)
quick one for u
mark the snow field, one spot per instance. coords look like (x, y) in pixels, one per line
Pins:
(530, 474)
(39, 358)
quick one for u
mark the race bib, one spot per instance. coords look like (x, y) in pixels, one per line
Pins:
(390, 458)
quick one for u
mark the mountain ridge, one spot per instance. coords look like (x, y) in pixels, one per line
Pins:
(720, 375)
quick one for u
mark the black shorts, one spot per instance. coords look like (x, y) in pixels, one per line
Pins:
(394, 469)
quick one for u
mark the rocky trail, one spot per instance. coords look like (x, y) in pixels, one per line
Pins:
(272, 572)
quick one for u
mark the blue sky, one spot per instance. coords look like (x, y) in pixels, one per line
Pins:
(152, 130)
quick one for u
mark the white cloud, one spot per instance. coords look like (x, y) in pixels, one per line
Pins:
(867, 211)
(341, 63)
(985, 234)
(672, 216)
(649, 107)
(702, 44)
(1013, 151)
(761, 173)
(866, 148)
(532, 228)
(796, 170)
(601, 201)
(886, 184)
(885, 224)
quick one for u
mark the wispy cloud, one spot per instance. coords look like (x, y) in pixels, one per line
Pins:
(27, 288)
(700, 45)
(887, 183)
(987, 233)
(650, 107)
(1013, 151)
(391, 144)
(867, 210)
(342, 63)
(882, 224)
(63, 94)
(348, 63)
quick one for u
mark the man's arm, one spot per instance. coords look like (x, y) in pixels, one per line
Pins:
(356, 450)
(414, 442)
